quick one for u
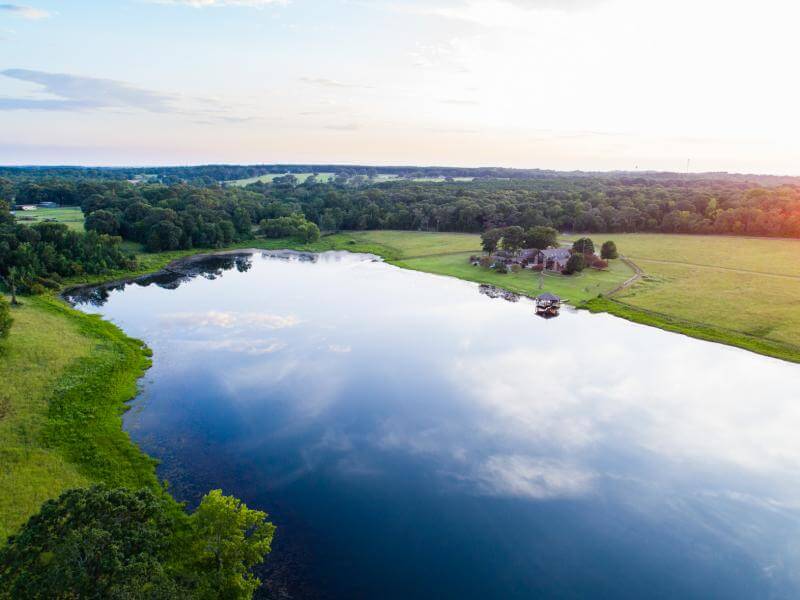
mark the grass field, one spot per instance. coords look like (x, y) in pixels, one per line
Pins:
(746, 289)
(65, 377)
(328, 177)
(72, 216)
(301, 177)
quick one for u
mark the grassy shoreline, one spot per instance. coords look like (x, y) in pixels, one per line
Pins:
(67, 379)
(763, 346)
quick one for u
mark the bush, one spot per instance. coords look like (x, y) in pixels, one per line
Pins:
(609, 250)
(501, 268)
(584, 246)
(575, 264)
(537, 268)
(295, 226)
(600, 264)
(515, 268)
(485, 262)
(5, 318)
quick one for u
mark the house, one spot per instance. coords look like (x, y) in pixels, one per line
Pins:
(25, 207)
(48, 205)
(553, 259)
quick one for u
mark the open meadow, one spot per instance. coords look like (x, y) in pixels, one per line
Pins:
(72, 216)
(746, 285)
(301, 177)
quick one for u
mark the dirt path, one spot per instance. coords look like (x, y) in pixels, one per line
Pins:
(637, 275)
(718, 268)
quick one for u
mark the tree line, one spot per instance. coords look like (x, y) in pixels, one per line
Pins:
(566, 204)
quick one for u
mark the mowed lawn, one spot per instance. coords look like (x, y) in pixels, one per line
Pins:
(72, 216)
(747, 285)
(41, 347)
(448, 254)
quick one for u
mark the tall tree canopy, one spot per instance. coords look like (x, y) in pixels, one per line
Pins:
(117, 543)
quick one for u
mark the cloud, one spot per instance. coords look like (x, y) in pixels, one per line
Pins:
(74, 92)
(532, 477)
(218, 3)
(332, 83)
(26, 12)
(457, 102)
(562, 5)
(228, 320)
(343, 127)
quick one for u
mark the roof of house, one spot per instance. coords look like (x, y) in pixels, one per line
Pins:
(557, 253)
(548, 297)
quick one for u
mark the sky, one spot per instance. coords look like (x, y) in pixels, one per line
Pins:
(699, 85)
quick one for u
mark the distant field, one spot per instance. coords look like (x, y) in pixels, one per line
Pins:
(746, 285)
(301, 177)
(72, 216)
(327, 177)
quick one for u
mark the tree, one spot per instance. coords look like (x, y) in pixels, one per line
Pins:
(609, 250)
(123, 544)
(575, 264)
(228, 539)
(164, 236)
(513, 238)
(541, 237)
(584, 246)
(5, 318)
(490, 239)
(102, 221)
(91, 543)
(13, 280)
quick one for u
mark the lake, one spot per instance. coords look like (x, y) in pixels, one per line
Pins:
(412, 437)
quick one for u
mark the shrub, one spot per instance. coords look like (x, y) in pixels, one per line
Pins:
(575, 264)
(515, 268)
(537, 268)
(609, 250)
(501, 268)
(584, 246)
(600, 264)
(485, 262)
(5, 318)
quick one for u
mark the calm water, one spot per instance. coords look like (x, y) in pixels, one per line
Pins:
(414, 438)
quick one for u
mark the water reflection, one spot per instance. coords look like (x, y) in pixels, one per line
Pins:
(413, 438)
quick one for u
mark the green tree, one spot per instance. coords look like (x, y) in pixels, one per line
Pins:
(513, 238)
(609, 250)
(92, 543)
(102, 543)
(226, 540)
(541, 237)
(102, 221)
(584, 246)
(5, 318)
(575, 264)
(490, 239)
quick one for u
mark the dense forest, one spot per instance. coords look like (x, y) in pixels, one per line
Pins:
(36, 257)
(206, 174)
(185, 215)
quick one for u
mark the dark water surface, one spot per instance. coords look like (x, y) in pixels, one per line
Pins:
(413, 438)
